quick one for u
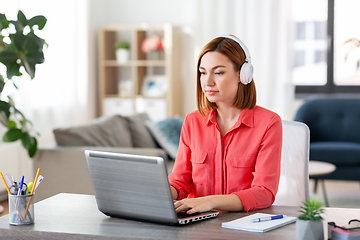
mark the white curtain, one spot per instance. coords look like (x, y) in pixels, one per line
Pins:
(265, 27)
(58, 96)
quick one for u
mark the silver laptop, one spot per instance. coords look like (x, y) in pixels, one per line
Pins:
(135, 187)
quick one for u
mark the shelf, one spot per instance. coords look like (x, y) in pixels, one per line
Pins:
(121, 85)
(133, 96)
(139, 63)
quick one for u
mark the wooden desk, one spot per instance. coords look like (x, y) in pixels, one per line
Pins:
(74, 216)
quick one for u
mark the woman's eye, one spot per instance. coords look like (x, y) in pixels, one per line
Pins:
(219, 73)
(202, 73)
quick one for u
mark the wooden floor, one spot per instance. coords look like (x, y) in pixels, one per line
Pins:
(342, 194)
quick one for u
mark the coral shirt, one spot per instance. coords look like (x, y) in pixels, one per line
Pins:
(245, 161)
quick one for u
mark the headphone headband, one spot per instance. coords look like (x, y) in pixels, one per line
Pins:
(242, 45)
(247, 69)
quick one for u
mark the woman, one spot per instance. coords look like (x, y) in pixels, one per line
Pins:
(230, 148)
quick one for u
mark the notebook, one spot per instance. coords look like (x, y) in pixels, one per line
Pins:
(135, 187)
(246, 224)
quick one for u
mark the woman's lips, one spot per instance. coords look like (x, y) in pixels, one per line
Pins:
(211, 92)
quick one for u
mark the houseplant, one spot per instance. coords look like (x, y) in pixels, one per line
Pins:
(122, 51)
(153, 45)
(20, 49)
(309, 225)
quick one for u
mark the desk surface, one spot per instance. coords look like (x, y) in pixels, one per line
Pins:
(75, 216)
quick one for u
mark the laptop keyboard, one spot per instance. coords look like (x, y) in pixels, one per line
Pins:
(185, 215)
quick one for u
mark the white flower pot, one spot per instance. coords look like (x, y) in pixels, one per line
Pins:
(122, 55)
(309, 230)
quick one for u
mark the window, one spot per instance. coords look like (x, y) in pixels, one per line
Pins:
(325, 59)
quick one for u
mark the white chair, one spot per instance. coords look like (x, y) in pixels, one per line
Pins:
(294, 179)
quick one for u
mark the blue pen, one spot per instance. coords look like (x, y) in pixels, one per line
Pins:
(268, 218)
(21, 185)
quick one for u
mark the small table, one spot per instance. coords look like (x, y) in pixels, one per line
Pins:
(318, 170)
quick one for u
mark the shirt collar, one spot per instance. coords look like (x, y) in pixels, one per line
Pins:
(246, 117)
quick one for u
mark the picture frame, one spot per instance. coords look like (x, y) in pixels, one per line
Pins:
(154, 86)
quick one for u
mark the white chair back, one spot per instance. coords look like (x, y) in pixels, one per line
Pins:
(294, 179)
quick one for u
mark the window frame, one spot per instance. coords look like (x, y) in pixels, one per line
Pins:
(329, 87)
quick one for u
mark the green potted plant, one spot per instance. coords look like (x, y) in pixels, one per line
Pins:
(309, 225)
(122, 51)
(20, 49)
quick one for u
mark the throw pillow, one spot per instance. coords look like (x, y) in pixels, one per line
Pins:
(104, 131)
(167, 134)
(139, 134)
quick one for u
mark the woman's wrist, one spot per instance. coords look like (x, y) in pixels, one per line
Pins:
(174, 192)
(226, 202)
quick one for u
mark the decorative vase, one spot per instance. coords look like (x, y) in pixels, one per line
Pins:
(309, 230)
(155, 55)
(122, 55)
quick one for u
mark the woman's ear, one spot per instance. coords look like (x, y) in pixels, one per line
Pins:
(238, 76)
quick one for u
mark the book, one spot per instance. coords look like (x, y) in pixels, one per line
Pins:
(246, 224)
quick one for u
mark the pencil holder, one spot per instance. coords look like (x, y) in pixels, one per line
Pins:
(21, 209)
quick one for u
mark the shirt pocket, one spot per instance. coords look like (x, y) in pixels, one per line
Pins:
(242, 161)
(200, 165)
(240, 172)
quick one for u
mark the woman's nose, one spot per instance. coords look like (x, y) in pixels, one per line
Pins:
(208, 80)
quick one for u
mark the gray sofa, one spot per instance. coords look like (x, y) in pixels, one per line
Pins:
(64, 166)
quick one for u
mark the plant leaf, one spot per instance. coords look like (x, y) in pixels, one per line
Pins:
(11, 124)
(3, 118)
(3, 22)
(38, 41)
(38, 20)
(17, 40)
(8, 57)
(2, 83)
(5, 107)
(26, 140)
(30, 62)
(29, 43)
(12, 135)
(21, 18)
(33, 149)
(29, 67)
(18, 26)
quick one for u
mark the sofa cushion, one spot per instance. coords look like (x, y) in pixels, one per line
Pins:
(331, 119)
(338, 153)
(104, 131)
(140, 136)
(167, 134)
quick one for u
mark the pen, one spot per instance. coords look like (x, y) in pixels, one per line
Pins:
(268, 218)
(21, 185)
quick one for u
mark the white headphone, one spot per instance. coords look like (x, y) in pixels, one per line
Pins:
(247, 69)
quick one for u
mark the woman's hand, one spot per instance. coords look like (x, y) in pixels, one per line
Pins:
(193, 205)
(202, 204)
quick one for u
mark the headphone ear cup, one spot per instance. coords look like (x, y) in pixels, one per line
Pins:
(246, 73)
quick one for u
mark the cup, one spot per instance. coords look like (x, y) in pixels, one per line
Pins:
(21, 209)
